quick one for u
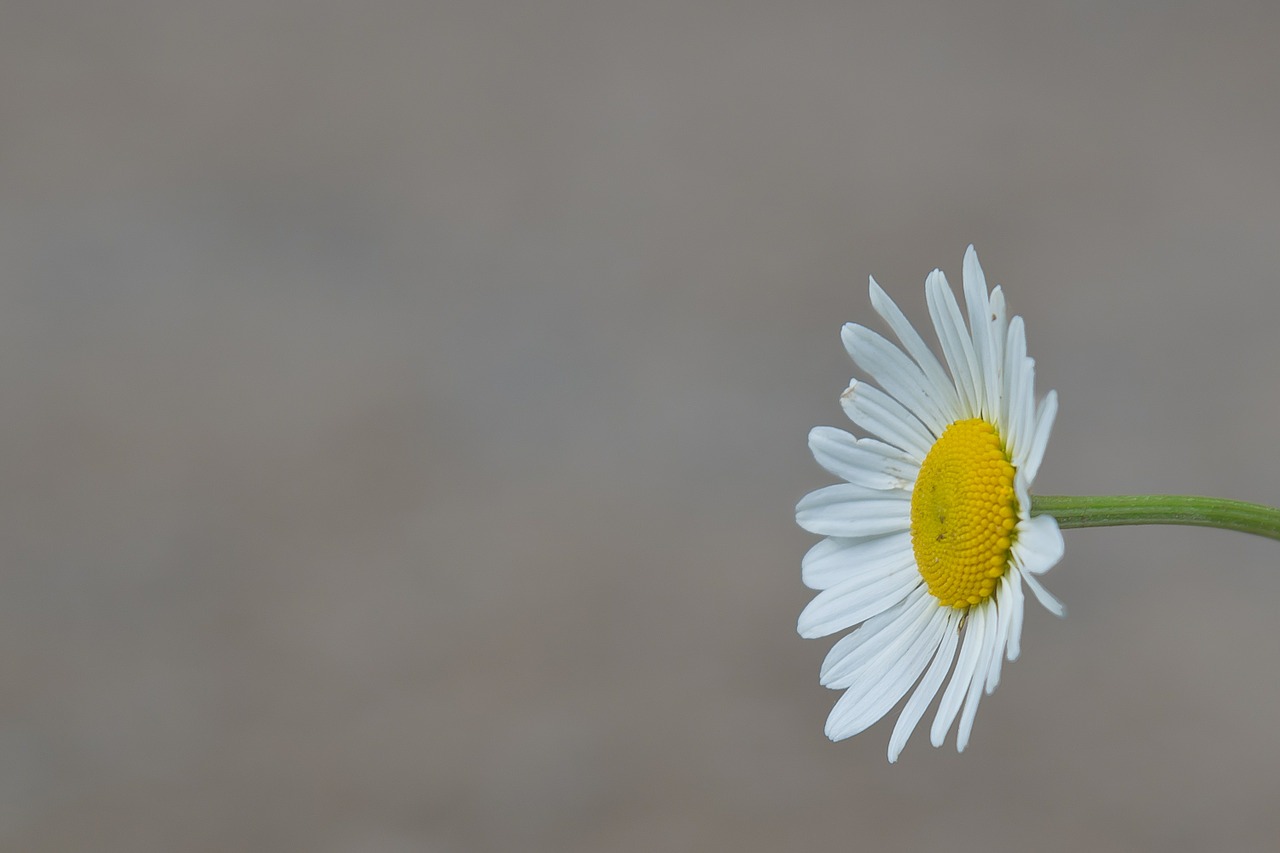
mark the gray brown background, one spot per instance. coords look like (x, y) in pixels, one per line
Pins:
(405, 403)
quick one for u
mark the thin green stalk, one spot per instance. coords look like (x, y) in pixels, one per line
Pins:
(1117, 510)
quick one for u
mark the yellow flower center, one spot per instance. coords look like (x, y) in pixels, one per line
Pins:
(963, 510)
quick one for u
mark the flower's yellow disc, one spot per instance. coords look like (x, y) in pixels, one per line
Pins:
(963, 509)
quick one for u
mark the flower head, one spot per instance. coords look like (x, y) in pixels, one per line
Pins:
(930, 539)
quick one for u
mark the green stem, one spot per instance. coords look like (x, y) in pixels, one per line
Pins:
(1112, 511)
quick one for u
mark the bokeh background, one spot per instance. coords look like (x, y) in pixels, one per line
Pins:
(405, 404)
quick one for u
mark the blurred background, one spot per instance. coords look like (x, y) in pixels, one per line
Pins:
(405, 405)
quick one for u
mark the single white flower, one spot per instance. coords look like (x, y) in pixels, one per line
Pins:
(931, 537)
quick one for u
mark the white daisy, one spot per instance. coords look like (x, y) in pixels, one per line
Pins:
(931, 537)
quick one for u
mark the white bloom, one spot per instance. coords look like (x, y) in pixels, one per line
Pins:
(930, 538)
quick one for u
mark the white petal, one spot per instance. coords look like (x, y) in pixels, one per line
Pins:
(1027, 400)
(928, 687)
(1043, 595)
(990, 632)
(917, 349)
(883, 416)
(850, 602)
(857, 710)
(1045, 414)
(863, 465)
(1013, 591)
(980, 317)
(997, 332)
(957, 346)
(1004, 604)
(975, 284)
(837, 559)
(999, 322)
(1022, 490)
(1016, 385)
(853, 511)
(891, 453)
(1038, 546)
(860, 657)
(966, 666)
(899, 376)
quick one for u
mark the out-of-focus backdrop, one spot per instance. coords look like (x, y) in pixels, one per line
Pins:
(405, 405)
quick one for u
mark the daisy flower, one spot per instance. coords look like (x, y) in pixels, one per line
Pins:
(930, 539)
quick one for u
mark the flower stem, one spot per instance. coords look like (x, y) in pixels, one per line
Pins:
(1117, 510)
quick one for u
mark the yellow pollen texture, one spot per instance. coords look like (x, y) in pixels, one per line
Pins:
(963, 510)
